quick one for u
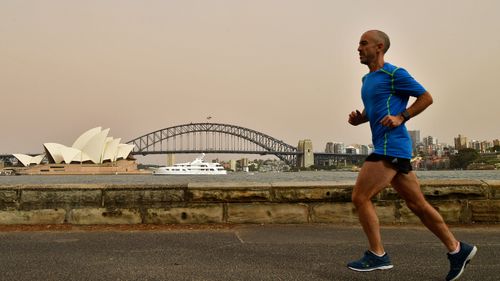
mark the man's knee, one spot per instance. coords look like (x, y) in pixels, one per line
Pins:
(358, 198)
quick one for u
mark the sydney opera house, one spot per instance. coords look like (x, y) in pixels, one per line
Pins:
(92, 152)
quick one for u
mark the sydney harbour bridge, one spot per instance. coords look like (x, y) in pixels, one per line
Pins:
(217, 138)
(225, 138)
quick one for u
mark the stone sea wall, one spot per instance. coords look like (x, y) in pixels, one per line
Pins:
(458, 201)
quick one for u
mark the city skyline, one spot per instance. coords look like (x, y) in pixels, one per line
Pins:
(284, 68)
(465, 141)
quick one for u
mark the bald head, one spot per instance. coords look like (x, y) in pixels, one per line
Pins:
(380, 37)
(372, 47)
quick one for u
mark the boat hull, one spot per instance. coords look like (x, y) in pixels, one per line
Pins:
(160, 172)
(196, 167)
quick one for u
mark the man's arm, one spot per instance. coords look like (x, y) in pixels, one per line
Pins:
(356, 118)
(422, 102)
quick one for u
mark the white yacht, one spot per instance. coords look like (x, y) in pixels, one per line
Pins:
(196, 167)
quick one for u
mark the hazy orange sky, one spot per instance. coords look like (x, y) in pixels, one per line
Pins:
(289, 69)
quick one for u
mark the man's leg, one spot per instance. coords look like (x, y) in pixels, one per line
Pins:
(409, 189)
(373, 177)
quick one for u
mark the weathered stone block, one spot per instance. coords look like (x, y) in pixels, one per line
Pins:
(494, 186)
(334, 213)
(64, 186)
(388, 193)
(60, 198)
(138, 198)
(267, 213)
(204, 213)
(291, 194)
(104, 216)
(8, 198)
(454, 189)
(405, 215)
(485, 211)
(144, 186)
(346, 212)
(451, 182)
(229, 185)
(451, 211)
(43, 216)
(386, 211)
(229, 192)
(230, 195)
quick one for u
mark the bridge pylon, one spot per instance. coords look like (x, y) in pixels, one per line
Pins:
(306, 157)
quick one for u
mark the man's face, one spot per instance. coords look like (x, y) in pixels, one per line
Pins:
(368, 48)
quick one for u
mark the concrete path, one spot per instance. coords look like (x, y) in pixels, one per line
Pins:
(244, 252)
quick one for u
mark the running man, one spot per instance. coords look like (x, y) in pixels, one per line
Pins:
(385, 93)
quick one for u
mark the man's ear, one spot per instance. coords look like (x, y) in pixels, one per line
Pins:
(380, 47)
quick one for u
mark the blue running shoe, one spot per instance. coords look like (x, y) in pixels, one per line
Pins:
(370, 262)
(459, 260)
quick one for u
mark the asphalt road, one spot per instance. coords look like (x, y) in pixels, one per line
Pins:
(247, 252)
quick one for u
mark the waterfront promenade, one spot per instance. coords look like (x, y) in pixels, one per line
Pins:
(233, 252)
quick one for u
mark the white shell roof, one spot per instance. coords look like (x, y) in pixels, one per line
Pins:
(93, 145)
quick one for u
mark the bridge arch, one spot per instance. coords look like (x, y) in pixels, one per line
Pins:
(212, 138)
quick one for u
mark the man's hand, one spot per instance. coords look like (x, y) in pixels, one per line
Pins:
(392, 121)
(356, 118)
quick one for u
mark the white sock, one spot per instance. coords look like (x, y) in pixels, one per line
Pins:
(456, 250)
(377, 254)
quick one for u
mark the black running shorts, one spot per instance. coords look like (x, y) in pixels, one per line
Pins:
(401, 165)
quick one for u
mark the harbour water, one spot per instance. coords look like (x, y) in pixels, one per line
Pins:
(327, 176)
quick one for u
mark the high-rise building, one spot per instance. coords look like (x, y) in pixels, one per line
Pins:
(335, 147)
(232, 165)
(428, 143)
(371, 148)
(485, 146)
(339, 148)
(475, 145)
(351, 150)
(329, 147)
(460, 142)
(364, 149)
(244, 164)
(415, 139)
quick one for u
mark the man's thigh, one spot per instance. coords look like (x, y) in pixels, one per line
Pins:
(373, 177)
(408, 187)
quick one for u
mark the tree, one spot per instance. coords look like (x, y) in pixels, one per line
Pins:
(463, 158)
(496, 148)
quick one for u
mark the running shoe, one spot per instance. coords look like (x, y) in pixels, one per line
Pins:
(459, 260)
(370, 262)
